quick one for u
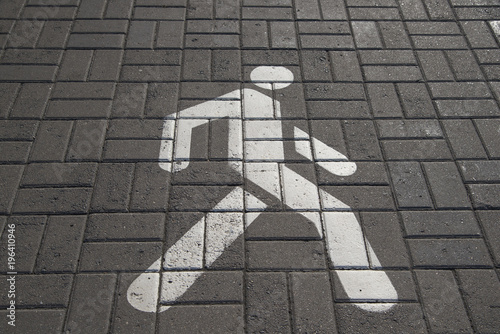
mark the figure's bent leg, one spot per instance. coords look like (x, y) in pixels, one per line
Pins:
(370, 289)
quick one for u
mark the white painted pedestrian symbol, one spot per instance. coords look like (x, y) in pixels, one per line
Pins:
(256, 146)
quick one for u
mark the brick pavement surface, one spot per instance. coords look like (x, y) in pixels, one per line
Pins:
(409, 90)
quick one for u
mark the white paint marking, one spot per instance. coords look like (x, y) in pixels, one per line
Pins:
(268, 129)
(174, 284)
(232, 202)
(341, 168)
(495, 25)
(280, 76)
(267, 176)
(315, 218)
(374, 261)
(184, 133)
(213, 109)
(303, 147)
(298, 192)
(331, 203)
(264, 151)
(253, 203)
(323, 152)
(142, 294)
(223, 228)
(250, 218)
(168, 129)
(187, 252)
(345, 240)
(235, 144)
(257, 105)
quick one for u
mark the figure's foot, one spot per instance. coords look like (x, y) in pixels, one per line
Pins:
(370, 290)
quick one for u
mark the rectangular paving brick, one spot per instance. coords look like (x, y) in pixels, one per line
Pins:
(28, 233)
(87, 140)
(96, 41)
(35, 320)
(429, 149)
(197, 65)
(150, 73)
(481, 293)
(285, 255)
(440, 223)
(83, 90)
(436, 42)
(367, 173)
(409, 184)
(27, 73)
(52, 200)
(443, 304)
(59, 174)
(226, 65)
(479, 171)
(384, 100)
(446, 185)
(383, 232)
(91, 303)
(365, 34)
(78, 109)
(334, 91)
(415, 100)
(449, 253)
(119, 9)
(125, 226)
(161, 99)
(392, 73)
(9, 181)
(362, 197)
(489, 221)
(100, 26)
(409, 129)
(478, 34)
(112, 188)
(435, 66)
(373, 13)
(150, 57)
(338, 109)
(283, 35)
(106, 65)
(485, 196)
(345, 66)
(150, 188)
(51, 291)
(200, 318)
(131, 150)
(464, 65)
(413, 9)
(39, 57)
(362, 140)
(464, 139)
(129, 101)
(60, 248)
(254, 34)
(92, 9)
(75, 65)
(170, 34)
(264, 292)
(488, 130)
(51, 141)
(312, 303)
(394, 35)
(14, 151)
(8, 92)
(467, 108)
(141, 35)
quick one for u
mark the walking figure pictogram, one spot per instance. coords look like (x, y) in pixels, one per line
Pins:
(256, 150)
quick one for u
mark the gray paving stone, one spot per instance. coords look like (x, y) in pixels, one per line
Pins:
(283, 35)
(443, 305)
(14, 151)
(92, 9)
(391, 57)
(267, 303)
(363, 197)
(285, 255)
(52, 200)
(477, 13)
(78, 109)
(226, 65)
(131, 150)
(488, 130)
(87, 140)
(125, 318)
(100, 26)
(215, 41)
(429, 149)
(324, 27)
(464, 65)
(28, 233)
(439, 10)
(333, 10)
(384, 100)
(267, 13)
(125, 226)
(479, 171)
(75, 65)
(60, 248)
(219, 26)
(413, 9)
(129, 101)
(367, 173)
(481, 293)
(307, 10)
(478, 34)
(118, 256)
(159, 13)
(415, 100)
(39, 57)
(161, 99)
(316, 66)
(134, 129)
(170, 34)
(464, 139)
(435, 65)
(440, 223)
(392, 73)
(35, 321)
(467, 108)
(152, 57)
(96, 41)
(41, 291)
(334, 91)
(8, 93)
(446, 185)
(436, 42)
(112, 188)
(254, 34)
(106, 65)
(490, 221)
(280, 226)
(150, 73)
(409, 185)
(394, 35)
(150, 188)
(25, 34)
(485, 196)
(411, 129)
(383, 231)
(345, 66)
(362, 140)
(51, 141)
(403, 318)
(270, 57)
(31, 101)
(487, 56)
(365, 34)
(328, 42)
(312, 303)
(208, 173)
(449, 253)
(224, 319)
(11, 9)
(193, 198)
(9, 181)
(338, 109)
(197, 65)
(374, 13)
(59, 174)
(91, 303)
(119, 9)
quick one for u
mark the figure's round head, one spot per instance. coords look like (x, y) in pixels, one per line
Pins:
(280, 76)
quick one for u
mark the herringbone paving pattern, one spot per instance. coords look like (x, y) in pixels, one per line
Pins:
(409, 90)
